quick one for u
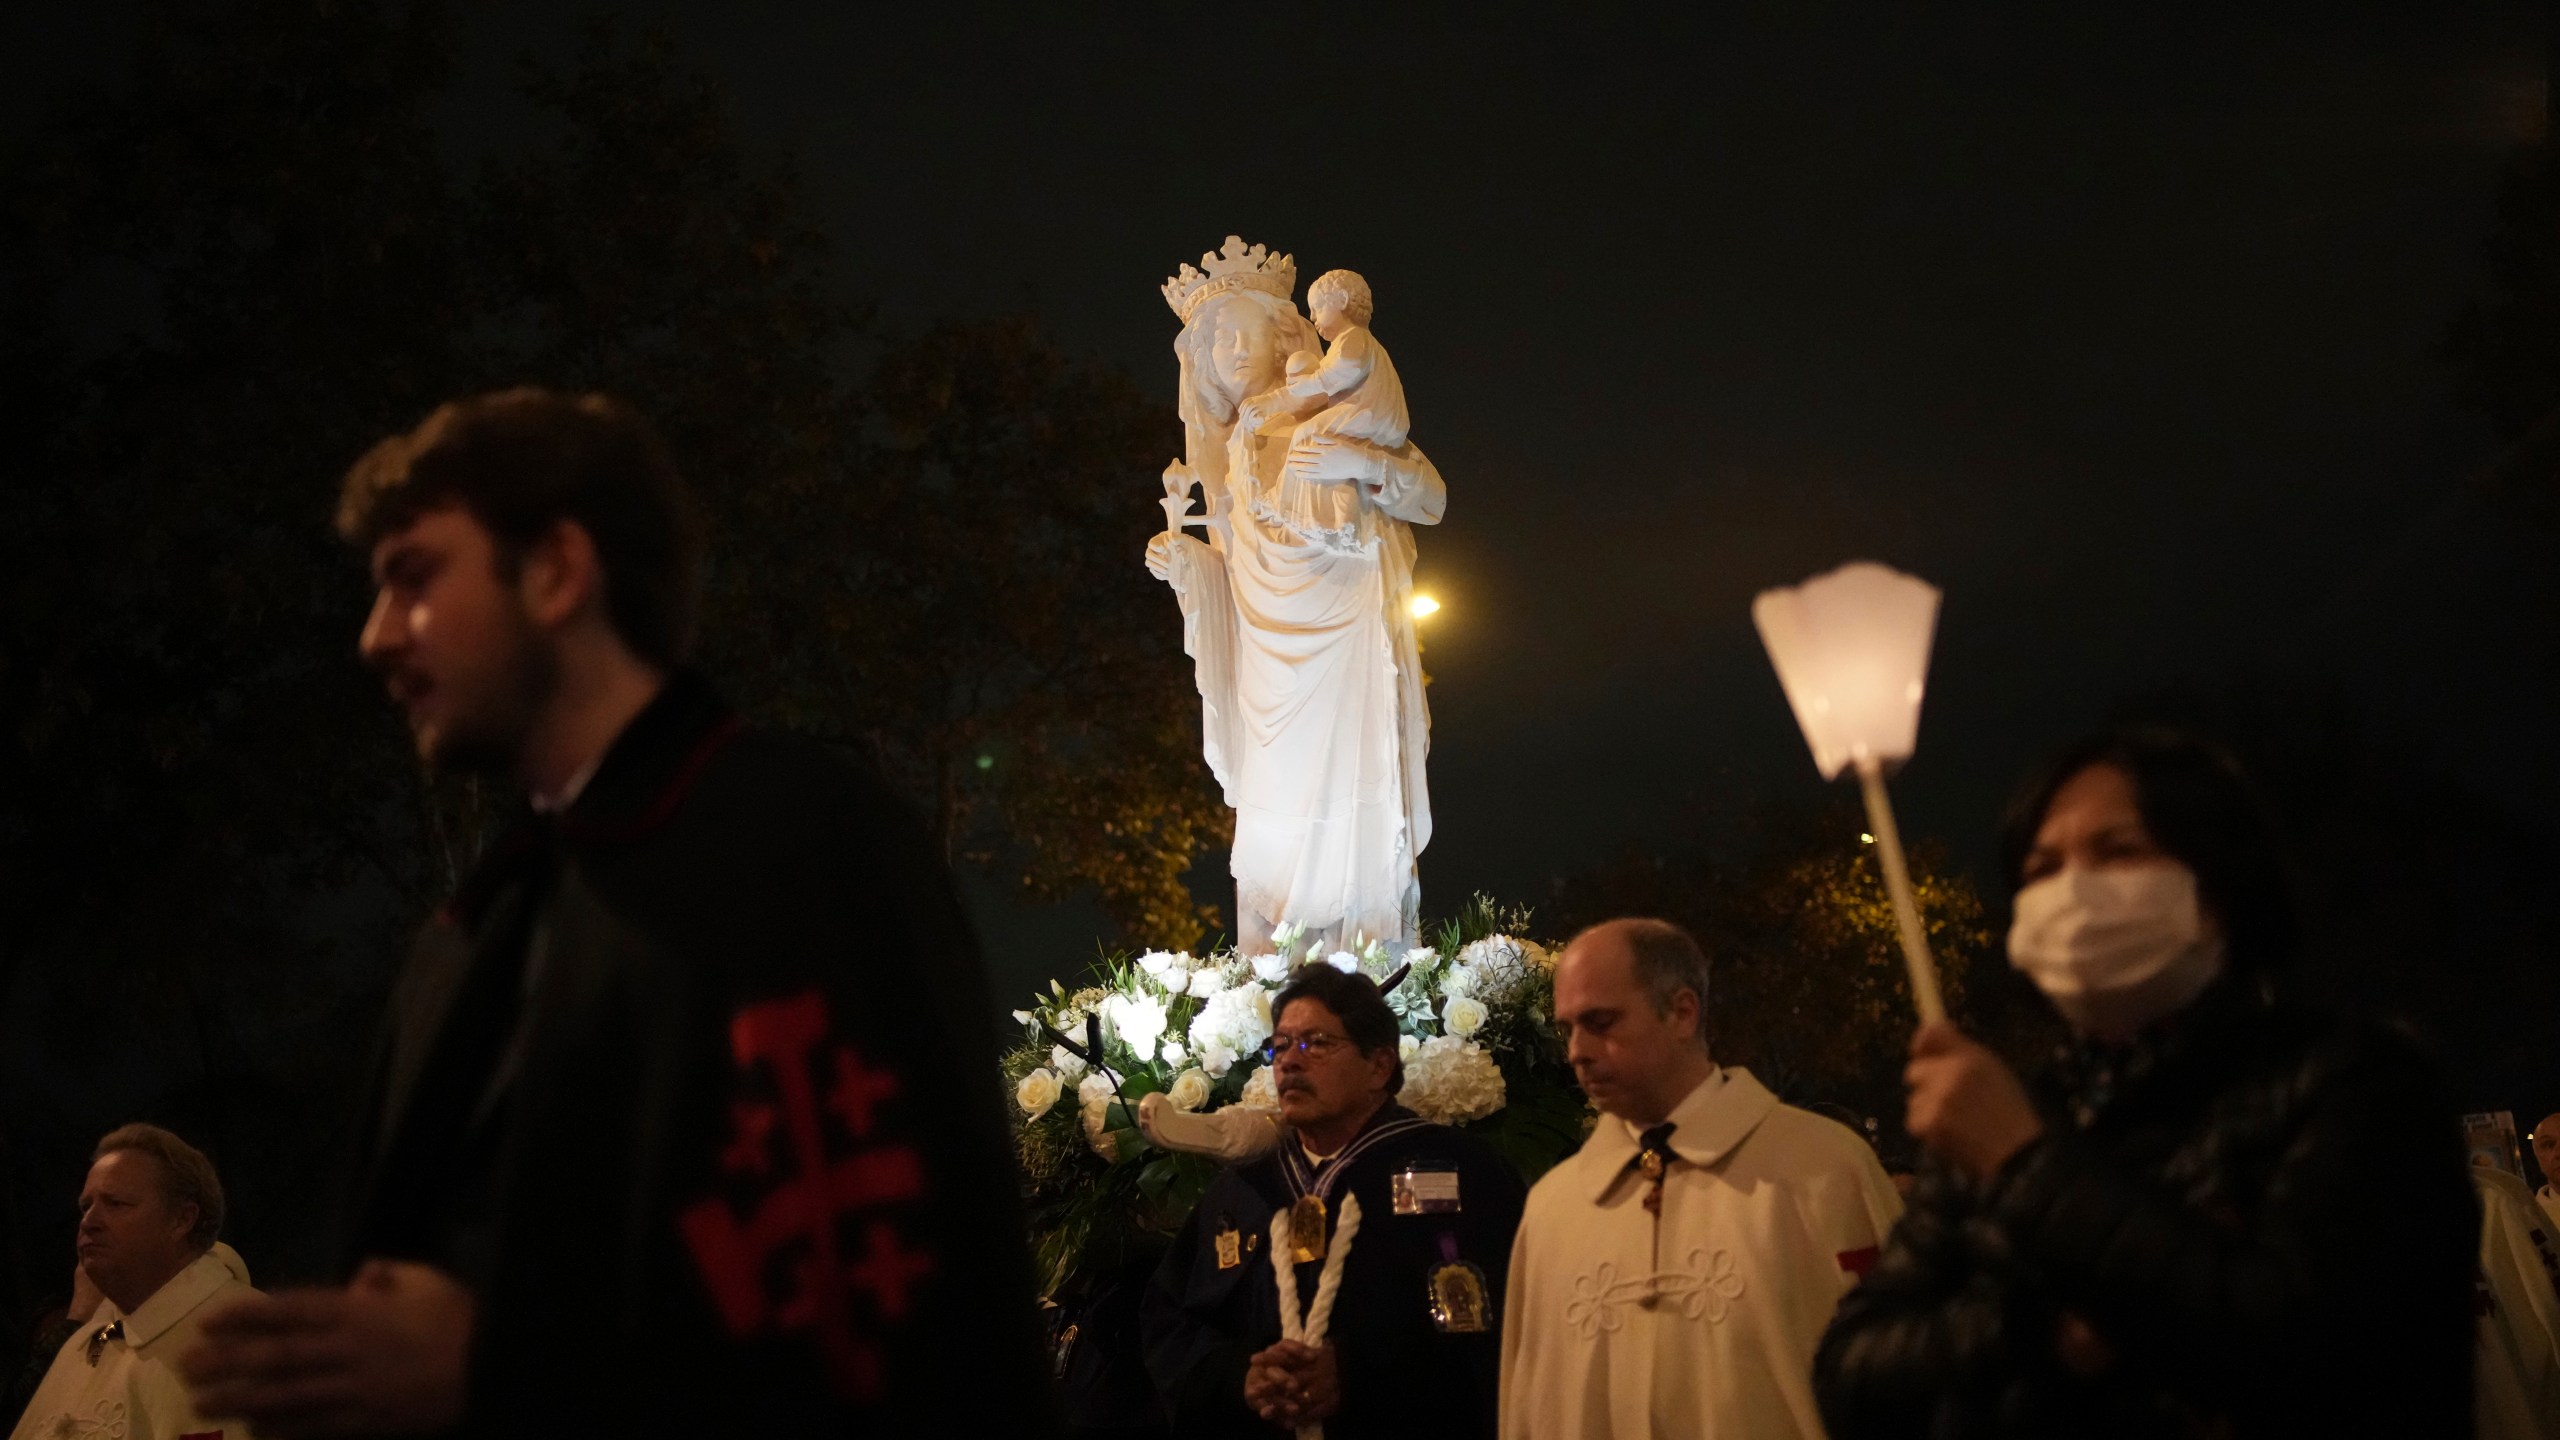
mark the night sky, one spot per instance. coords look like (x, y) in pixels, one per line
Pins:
(2118, 324)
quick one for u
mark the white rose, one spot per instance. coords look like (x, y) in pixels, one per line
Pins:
(1463, 1016)
(1189, 1091)
(1458, 979)
(1037, 1092)
(1095, 1097)
(1205, 983)
(1066, 1062)
(1405, 1046)
(1272, 968)
(1260, 1090)
(1217, 1059)
(1344, 961)
(1173, 1053)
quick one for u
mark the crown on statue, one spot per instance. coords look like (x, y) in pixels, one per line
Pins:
(1237, 266)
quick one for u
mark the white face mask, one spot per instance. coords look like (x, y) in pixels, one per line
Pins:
(2116, 948)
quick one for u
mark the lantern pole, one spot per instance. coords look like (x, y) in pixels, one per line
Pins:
(1897, 883)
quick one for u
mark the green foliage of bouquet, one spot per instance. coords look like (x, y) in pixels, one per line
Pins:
(1476, 1014)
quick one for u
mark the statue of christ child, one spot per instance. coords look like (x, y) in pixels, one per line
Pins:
(1361, 400)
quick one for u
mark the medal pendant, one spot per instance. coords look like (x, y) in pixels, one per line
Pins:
(1457, 1299)
(1306, 1229)
(1230, 1249)
(1651, 1164)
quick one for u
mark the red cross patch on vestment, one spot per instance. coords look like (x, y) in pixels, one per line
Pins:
(779, 1263)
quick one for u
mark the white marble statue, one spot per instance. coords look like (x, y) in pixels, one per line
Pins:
(1296, 598)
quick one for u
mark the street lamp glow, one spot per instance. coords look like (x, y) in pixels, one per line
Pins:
(1423, 606)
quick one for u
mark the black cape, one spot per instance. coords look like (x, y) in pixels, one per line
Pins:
(1400, 1375)
(690, 1086)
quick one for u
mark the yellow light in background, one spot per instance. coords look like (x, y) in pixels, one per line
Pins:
(1865, 838)
(1424, 606)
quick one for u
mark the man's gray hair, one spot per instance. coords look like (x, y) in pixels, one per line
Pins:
(1667, 961)
(186, 1176)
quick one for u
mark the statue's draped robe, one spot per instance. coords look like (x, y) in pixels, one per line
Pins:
(1312, 711)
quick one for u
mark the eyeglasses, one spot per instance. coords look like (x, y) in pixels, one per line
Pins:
(1315, 1045)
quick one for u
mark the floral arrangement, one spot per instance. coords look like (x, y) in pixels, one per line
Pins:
(1479, 1048)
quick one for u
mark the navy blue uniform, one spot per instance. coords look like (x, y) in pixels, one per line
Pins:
(1401, 1376)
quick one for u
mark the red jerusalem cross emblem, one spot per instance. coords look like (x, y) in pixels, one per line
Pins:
(813, 1236)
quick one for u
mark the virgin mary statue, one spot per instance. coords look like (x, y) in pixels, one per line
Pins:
(1300, 632)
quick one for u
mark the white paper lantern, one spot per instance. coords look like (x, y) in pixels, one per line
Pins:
(1852, 652)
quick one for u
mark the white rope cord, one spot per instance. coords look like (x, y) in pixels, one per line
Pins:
(1284, 1272)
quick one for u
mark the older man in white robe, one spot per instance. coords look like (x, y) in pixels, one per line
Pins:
(1674, 1276)
(150, 1213)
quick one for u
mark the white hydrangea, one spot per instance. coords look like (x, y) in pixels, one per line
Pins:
(1458, 979)
(1499, 965)
(1189, 1090)
(1405, 1046)
(1260, 1090)
(1450, 1081)
(1065, 1061)
(1236, 1021)
(1463, 1015)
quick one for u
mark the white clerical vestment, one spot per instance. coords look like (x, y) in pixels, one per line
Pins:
(2516, 1351)
(128, 1387)
(1622, 1324)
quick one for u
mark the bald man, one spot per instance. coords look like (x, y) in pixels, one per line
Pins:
(1674, 1276)
(2546, 1154)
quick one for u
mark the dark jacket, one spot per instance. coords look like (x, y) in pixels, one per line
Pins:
(2261, 1215)
(690, 1086)
(1400, 1376)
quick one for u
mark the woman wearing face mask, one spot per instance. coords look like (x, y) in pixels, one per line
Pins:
(2222, 1214)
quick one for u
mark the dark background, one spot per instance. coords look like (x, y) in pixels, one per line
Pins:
(2128, 328)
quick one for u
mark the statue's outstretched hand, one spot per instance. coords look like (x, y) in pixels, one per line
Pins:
(1160, 557)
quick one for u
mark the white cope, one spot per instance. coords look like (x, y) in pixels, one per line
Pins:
(1703, 1321)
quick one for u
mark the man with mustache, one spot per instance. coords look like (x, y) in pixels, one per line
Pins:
(681, 1123)
(1674, 1276)
(1413, 1347)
